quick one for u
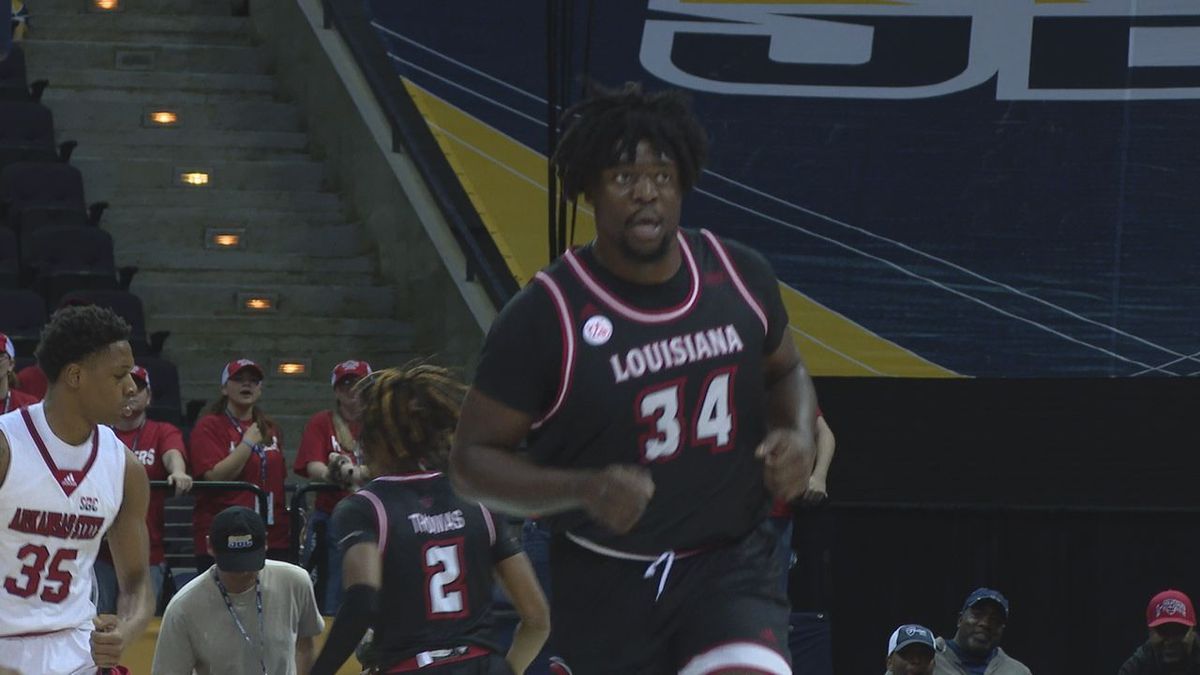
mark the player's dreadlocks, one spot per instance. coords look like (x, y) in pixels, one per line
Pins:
(409, 415)
(74, 333)
(600, 131)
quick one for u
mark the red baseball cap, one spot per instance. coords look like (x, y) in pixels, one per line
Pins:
(1170, 606)
(234, 367)
(8, 346)
(349, 368)
(141, 373)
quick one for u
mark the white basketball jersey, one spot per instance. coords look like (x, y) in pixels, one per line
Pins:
(56, 503)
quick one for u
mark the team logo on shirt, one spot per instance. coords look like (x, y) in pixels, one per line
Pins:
(597, 330)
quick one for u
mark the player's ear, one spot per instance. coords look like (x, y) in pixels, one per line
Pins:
(71, 374)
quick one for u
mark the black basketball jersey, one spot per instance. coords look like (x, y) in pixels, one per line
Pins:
(680, 390)
(438, 555)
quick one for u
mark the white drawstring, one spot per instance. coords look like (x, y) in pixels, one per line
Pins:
(669, 559)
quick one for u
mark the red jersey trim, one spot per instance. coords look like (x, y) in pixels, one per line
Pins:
(614, 303)
(417, 662)
(567, 325)
(380, 516)
(737, 279)
(67, 480)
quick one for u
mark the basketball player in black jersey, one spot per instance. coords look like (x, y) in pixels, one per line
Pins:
(419, 560)
(663, 405)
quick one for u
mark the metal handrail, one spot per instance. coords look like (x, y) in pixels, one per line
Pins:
(222, 486)
(302, 491)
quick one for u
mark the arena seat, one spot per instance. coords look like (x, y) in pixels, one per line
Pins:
(129, 307)
(166, 405)
(10, 271)
(27, 134)
(14, 83)
(43, 191)
(22, 319)
(64, 259)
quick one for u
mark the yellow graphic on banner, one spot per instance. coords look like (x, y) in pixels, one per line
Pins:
(506, 182)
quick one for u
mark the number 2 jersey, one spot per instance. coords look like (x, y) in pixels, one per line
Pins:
(438, 555)
(56, 503)
(669, 376)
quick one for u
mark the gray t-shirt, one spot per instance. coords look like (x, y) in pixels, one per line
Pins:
(198, 633)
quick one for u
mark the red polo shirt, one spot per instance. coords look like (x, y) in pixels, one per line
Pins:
(148, 444)
(319, 440)
(213, 438)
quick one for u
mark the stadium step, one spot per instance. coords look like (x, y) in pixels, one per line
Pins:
(184, 230)
(80, 113)
(142, 28)
(218, 299)
(114, 175)
(107, 71)
(144, 58)
(134, 7)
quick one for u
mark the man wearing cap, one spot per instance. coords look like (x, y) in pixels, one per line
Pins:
(159, 447)
(235, 440)
(975, 647)
(1171, 648)
(243, 615)
(329, 452)
(11, 398)
(911, 651)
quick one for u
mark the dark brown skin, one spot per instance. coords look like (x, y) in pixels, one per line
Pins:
(85, 394)
(637, 208)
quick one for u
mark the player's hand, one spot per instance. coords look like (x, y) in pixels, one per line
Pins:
(788, 460)
(107, 641)
(181, 481)
(816, 492)
(617, 495)
(253, 435)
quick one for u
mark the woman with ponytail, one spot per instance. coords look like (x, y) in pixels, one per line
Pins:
(236, 441)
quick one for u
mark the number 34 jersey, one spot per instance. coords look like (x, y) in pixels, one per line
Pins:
(438, 552)
(678, 389)
(56, 503)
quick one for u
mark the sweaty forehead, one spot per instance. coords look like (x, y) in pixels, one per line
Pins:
(640, 152)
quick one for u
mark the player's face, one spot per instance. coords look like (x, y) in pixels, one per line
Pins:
(244, 389)
(980, 627)
(637, 205)
(911, 660)
(105, 385)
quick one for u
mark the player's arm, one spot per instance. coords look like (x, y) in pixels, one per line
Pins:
(362, 577)
(826, 446)
(789, 450)
(5, 457)
(130, 545)
(515, 575)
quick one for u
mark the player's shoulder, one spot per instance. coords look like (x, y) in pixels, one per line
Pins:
(740, 254)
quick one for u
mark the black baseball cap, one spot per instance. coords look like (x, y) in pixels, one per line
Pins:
(239, 540)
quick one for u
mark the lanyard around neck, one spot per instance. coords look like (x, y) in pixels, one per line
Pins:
(262, 627)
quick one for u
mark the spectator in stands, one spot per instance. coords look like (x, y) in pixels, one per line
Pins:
(816, 492)
(1171, 649)
(245, 614)
(911, 651)
(235, 441)
(159, 447)
(9, 394)
(31, 380)
(975, 647)
(329, 435)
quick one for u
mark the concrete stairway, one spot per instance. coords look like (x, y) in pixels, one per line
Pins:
(106, 71)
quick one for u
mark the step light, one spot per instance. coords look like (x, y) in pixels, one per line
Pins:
(295, 368)
(192, 177)
(225, 238)
(162, 118)
(257, 303)
(104, 5)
